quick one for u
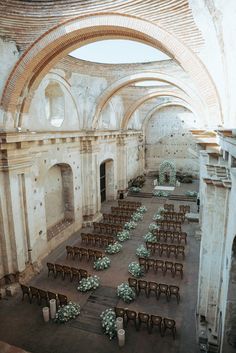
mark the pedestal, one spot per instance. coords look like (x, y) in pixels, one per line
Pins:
(119, 323)
(53, 308)
(46, 314)
(121, 337)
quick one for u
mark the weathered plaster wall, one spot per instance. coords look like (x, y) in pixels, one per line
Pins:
(168, 138)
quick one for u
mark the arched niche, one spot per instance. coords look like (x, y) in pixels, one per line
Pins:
(59, 200)
(107, 186)
(55, 104)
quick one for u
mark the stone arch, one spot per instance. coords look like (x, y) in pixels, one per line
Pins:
(59, 199)
(43, 54)
(167, 167)
(169, 92)
(140, 77)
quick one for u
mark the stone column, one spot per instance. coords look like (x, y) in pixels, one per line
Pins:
(122, 182)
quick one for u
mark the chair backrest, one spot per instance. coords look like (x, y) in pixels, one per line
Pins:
(169, 323)
(156, 320)
(63, 300)
(143, 317)
(120, 312)
(131, 314)
(25, 289)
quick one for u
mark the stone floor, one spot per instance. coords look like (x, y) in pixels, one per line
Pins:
(21, 323)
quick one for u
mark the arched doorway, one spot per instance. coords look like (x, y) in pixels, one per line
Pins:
(59, 200)
(107, 180)
(229, 343)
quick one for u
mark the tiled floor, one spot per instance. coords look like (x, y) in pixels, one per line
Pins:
(21, 323)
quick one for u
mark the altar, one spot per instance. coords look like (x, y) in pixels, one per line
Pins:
(164, 188)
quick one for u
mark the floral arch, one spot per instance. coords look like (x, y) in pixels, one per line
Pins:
(167, 167)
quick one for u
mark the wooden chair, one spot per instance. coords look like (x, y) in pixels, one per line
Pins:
(183, 236)
(91, 254)
(150, 246)
(75, 273)
(34, 293)
(169, 324)
(67, 271)
(178, 268)
(51, 268)
(143, 263)
(83, 252)
(152, 287)
(174, 290)
(43, 295)
(83, 273)
(169, 236)
(133, 283)
(76, 250)
(175, 237)
(164, 249)
(120, 312)
(160, 264)
(156, 320)
(25, 291)
(142, 285)
(163, 289)
(143, 318)
(63, 300)
(59, 269)
(180, 251)
(51, 295)
(69, 251)
(169, 266)
(98, 254)
(157, 248)
(172, 250)
(151, 263)
(131, 315)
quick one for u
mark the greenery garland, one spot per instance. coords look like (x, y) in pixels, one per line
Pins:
(67, 312)
(86, 284)
(125, 292)
(108, 318)
(135, 269)
(102, 263)
(113, 248)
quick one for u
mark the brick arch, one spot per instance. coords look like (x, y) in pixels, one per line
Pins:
(43, 54)
(163, 105)
(160, 93)
(140, 77)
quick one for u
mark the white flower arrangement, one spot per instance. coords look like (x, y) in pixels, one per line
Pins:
(86, 284)
(135, 269)
(123, 235)
(142, 209)
(191, 193)
(141, 251)
(161, 210)
(135, 189)
(150, 237)
(108, 317)
(160, 193)
(130, 225)
(67, 312)
(137, 216)
(102, 263)
(153, 226)
(125, 292)
(113, 248)
(157, 217)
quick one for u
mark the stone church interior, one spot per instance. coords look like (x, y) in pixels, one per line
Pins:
(117, 179)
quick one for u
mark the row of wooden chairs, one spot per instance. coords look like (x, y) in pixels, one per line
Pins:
(182, 208)
(130, 203)
(174, 216)
(149, 320)
(162, 248)
(40, 295)
(173, 267)
(97, 239)
(122, 211)
(170, 225)
(107, 228)
(165, 235)
(169, 207)
(115, 219)
(64, 270)
(78, 252)
(157, 288)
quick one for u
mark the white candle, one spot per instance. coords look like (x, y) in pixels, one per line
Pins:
(121, 337)
(119, 323)
(46, 314)
(53, 308)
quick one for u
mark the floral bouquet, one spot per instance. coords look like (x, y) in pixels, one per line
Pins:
(157, 217)
(108, 317)
(150, 237)
(135, 189)
(142, 209)
(160, 193)
(141, 251)
(135, 269)
(130, 225)
(153, 226)
(67, 312)
(102, 263)
(113, 248)
(137, 216)
(123, 235)
(191, 193)
(86, 284)
(125, 292)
